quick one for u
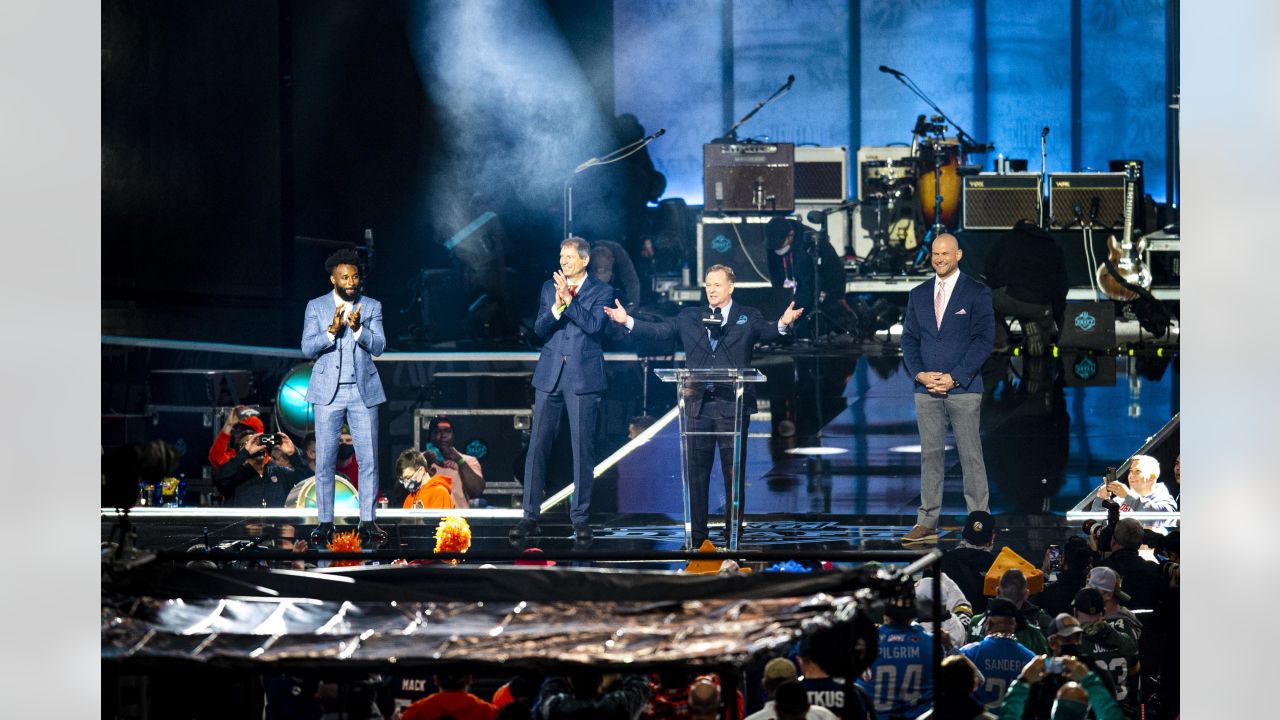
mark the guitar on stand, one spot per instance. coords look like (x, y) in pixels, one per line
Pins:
(1123, 270)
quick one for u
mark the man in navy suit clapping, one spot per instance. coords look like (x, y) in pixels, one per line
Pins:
(947, 333)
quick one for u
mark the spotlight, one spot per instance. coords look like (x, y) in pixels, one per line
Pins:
(293, 412)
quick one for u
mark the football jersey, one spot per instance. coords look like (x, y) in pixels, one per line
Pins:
(1000, 660)
(900, 681)
(1110, 651)
(827, 692)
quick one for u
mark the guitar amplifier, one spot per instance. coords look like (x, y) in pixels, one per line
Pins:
(821, 174)
(997, 202)
(737, 242)
(1067, 190)
(749, 177)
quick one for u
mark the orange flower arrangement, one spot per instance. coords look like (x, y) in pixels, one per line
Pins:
(346, 542)
(453, 534)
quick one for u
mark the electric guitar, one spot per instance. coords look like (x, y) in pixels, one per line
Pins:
(1123, 266)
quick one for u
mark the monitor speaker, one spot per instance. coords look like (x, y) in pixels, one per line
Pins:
(1089, 326)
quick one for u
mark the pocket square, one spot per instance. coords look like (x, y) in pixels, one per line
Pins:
(961, 312)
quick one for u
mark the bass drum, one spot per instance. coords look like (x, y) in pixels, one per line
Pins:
(944, 152)
(345, 496)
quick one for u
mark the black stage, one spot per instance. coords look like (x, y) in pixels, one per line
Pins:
(1048, 438)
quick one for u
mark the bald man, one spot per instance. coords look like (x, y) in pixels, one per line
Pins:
(947, 333)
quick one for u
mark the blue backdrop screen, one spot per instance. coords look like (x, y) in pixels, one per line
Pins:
(1000, 68)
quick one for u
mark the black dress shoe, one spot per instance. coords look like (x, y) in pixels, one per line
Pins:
(371, 535)
(322, 535)
(582, 533)
(523, 529)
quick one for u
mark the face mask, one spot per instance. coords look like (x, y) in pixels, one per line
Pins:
(1069, 710)
(413, 483)
(346, 452)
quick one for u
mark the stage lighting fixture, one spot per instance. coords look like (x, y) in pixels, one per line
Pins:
(293, 413)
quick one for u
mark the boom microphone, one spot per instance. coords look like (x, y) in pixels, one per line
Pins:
(790, 79)
(815, 216)
(891, 71)
(1045, 132)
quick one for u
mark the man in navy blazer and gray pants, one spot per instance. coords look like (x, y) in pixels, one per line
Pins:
(569, 376)
(947, 334)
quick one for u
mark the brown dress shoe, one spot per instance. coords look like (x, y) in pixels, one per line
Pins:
(920, 535)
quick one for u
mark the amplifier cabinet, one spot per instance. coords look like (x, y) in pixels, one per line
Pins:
(821, 175)
(1069, 190)
(996, 202)
(749, 177)
(736, 241)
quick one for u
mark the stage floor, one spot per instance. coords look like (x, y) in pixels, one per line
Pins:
(1046, 445)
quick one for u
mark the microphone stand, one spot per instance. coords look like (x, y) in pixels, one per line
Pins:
(621, 153)
(965, 138)
(967, 145)
(731, 135)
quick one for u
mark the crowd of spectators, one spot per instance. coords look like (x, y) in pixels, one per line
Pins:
(1100, 639)
(252, 467)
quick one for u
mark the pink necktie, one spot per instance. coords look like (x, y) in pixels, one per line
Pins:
(938, 308)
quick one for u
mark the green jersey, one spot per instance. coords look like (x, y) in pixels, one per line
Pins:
(1110, 651)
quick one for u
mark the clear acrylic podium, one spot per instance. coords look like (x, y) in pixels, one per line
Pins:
(693, 382)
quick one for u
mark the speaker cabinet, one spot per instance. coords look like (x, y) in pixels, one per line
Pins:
(749, 177)
(821, 175)
(996, 202)
(737, 242)
(1069, 190)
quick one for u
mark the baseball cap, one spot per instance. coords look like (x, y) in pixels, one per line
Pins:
(1000, 607)
(1088, 601)
(779, 669)
(1106, 579)
(979, 528)
(1064, 626)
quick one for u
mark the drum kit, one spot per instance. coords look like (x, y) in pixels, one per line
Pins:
(930, 181)
(923, 187)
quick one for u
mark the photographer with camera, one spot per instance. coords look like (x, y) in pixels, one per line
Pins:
(248, 480)
(1079, 690)
(1143, 581)
(222, 449)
